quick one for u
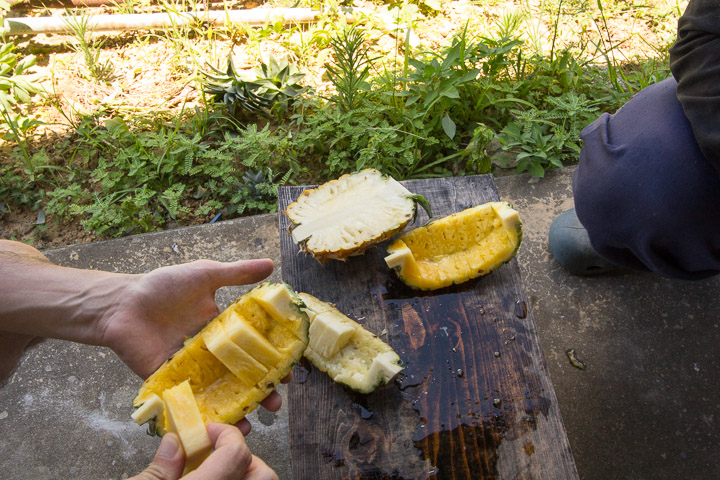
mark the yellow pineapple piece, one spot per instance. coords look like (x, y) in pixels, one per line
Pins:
(220, 395)
(237, 360)
(184, 419)
(247, 337)
(457, 248)
(278, 301)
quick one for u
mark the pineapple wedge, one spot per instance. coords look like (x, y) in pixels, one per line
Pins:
(345, 217)
(184, 419)
(348, 353)
(457, 248)
(235, 361)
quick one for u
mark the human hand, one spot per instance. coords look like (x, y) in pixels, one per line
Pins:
(155, 312)
(230, 460)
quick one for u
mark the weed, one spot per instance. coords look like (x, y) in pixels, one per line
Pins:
(528, 81)
(90, 50)
(351, 70)
(17, 86)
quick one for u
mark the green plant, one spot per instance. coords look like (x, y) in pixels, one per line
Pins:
(90, 50)
(351, 70)
(270, 87)
(544, 139)
(17, 85)
(257, 192)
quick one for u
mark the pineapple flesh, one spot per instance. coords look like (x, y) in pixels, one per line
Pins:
(349, 354)
(346, 216)
(235, 361)
(184, 419)
(457, 248)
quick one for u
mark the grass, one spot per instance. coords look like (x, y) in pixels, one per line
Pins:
(508, 89)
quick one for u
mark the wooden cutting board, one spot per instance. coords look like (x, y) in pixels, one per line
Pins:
(475, 399)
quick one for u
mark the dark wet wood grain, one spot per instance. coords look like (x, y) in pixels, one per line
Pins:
(475, 399)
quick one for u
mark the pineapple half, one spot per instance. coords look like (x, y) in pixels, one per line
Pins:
(346, 216)
(234, 362)
(350, 354)
(457, 248)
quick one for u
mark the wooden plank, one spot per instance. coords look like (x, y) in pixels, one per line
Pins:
(475, 399)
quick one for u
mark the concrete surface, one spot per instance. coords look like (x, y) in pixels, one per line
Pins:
(646, 406)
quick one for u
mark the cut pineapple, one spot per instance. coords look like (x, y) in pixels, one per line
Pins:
(329, 332)
(457, 248)
(230, 370)
(344, 217)
(350, 354)
(237, 360)
(245, 336)
(184, 419)
(152, 412)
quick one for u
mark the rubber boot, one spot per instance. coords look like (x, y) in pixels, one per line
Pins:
(570, 245)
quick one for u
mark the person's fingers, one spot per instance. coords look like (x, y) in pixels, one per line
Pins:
(272, 402)
(231, 458)
(168, 463)
(244, 426)
(259, 470)
(19, 248)
(241, 272)
(287, 378)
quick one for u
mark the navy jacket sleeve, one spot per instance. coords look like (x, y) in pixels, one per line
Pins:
(695, 64)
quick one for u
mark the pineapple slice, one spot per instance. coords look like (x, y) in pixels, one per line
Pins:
(344, 217)
(241, 332)
(184, 419)
(457, 248)
(350, 354)
(221, 395)
(237, 360)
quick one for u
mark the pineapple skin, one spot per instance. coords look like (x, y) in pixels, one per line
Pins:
(457, 248)
(221, 396)
(323, 256)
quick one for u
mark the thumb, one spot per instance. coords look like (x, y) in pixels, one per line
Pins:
(168, 463)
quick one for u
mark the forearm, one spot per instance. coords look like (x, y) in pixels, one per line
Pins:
(40, 298)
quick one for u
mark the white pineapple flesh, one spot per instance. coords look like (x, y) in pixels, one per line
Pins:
(349, 353)
(329, 333)
(346, 216)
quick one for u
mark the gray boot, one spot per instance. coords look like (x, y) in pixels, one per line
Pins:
(570, 245)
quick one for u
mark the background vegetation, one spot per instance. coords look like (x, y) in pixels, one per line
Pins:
(508, 90)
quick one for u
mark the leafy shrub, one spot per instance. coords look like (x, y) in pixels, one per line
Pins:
(272, 85)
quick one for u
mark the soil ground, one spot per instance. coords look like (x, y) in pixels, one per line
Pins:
(148, 73)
